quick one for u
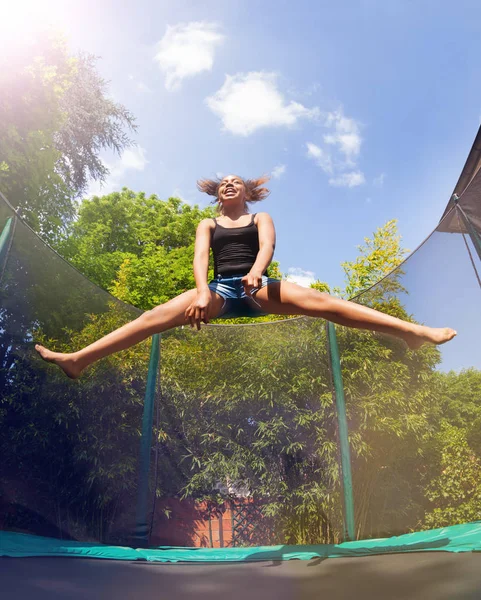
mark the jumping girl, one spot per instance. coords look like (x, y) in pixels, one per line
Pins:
(243, 247)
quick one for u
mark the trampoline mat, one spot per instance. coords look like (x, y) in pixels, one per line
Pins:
(414, 576)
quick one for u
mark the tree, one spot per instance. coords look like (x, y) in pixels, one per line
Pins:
(91, 122)
(55, 118)
(451, 489)
(377, 258)
(390, 393)
(139, 248)
(455, 490)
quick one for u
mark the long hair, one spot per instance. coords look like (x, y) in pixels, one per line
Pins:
(254, 190)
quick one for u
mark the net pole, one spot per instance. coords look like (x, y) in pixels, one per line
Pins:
(141, 528)
(349, 525)
(473, 233)
(4, 237)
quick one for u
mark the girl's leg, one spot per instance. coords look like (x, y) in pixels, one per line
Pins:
(161, 318)
(286, 298)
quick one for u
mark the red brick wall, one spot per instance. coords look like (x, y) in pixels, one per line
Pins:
(198, 524)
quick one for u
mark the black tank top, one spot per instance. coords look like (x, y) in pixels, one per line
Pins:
(235, 248)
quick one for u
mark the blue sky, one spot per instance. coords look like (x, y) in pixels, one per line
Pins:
(361, 111)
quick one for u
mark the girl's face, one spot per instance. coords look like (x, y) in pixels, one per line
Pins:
(231, 190)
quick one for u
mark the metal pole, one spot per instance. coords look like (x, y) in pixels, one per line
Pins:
(141, 535)
(349, 525)
(5, 237)
(473, 233)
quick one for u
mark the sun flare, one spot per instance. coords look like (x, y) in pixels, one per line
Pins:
(21, 19)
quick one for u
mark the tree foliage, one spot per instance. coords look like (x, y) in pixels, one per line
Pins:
(454, 493)
(377, 259)
(55, 118)
(139, 248)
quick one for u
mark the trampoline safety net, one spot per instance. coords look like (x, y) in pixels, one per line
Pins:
(231, 436)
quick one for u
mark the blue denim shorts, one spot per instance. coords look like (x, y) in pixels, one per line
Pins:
(236, 302)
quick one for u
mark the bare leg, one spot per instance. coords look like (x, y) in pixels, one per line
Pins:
(161, 318)
(291, 299)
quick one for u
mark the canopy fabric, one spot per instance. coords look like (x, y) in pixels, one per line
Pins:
(467, 193)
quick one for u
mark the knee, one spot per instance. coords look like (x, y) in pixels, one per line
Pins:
(152, 316)
(322, 299)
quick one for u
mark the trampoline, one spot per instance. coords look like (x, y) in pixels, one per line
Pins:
(288, 459)
(433, 576)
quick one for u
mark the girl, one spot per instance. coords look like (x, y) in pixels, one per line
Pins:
(243, 246)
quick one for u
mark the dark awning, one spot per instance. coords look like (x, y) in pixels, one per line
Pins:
(468, 192)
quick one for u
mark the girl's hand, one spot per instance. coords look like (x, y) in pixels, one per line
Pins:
(198, 311)
(252, 281)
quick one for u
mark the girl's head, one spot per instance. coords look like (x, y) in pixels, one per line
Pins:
(233, 190)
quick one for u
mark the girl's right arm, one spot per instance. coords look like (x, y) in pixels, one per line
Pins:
(198, 310)
(201, 254)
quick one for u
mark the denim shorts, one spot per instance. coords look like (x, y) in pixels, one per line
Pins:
(236, 302)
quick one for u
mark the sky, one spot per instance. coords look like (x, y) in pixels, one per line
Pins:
(360, 111)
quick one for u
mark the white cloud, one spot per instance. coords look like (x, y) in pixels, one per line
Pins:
(379, 181)
(345, 135)
(248, 102)
(322, 157)
(278, 171)
(341, 150)
(186, 50)
(132, 159)
(301, 277)
(350, 180)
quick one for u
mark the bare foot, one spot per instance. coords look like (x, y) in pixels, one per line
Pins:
(66, 362)
(432, 335)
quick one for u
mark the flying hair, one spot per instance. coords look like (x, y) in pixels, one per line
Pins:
(254, 190)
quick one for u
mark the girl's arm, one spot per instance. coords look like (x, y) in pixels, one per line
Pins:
(267, 244)
(198, 311)
(201, 254)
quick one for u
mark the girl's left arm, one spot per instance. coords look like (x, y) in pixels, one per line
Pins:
(267, 244)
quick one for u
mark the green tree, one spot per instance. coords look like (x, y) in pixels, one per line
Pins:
(390, 394)
(460, 400)
(453, 452)
(454, 493)
(321, 286)
(55, 118)
(139, 248)
(74, 445)
(377, 258)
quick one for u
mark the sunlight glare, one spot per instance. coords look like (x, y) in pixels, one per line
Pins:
(22, 19)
